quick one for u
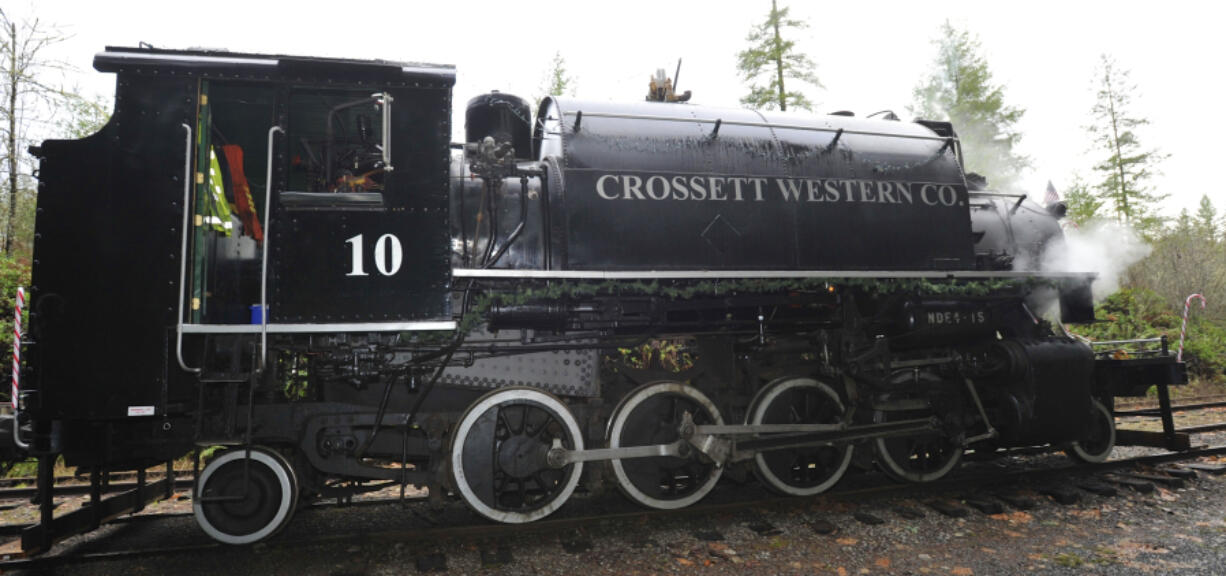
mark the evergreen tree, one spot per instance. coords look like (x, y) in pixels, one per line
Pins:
(1206, 220)
(1083, 206)
(960, 89)
(557, 81)
(1183, 223)
(775, 58)
(1125, 172)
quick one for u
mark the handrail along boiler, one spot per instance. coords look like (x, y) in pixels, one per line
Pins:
(653, 295)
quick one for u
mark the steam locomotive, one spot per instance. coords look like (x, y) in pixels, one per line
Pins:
(286, 257)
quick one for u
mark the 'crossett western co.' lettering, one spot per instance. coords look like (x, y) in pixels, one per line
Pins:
(758, 189)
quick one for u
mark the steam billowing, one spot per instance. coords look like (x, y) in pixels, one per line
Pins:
(1106, 248)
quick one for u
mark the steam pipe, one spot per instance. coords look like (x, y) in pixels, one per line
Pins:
(463, 222)
(523, 218)
(492, 217)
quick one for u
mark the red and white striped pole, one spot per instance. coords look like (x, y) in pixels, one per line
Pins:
(19, 305)
(1183, 330)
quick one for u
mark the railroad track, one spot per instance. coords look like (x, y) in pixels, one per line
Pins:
(1140, 473)
(24, 486)
(1145, 407)
(1192, 405)
(78, 489)
(966, 480)
(1188, 405)
(1152, 403)
(67, 480)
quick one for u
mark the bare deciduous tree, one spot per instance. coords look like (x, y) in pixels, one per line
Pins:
(27, 99)
(1189, 258)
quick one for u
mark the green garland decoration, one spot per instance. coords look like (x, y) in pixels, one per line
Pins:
(523, 294)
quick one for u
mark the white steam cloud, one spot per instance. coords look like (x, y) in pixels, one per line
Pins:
(1106, 248)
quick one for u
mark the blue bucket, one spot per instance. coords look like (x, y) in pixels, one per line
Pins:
(257, 314)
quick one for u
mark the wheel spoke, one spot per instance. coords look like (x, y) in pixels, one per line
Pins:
(539, 478)
(502, 418)
(549, 419)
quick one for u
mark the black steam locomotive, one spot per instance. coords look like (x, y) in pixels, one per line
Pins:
(285, 256)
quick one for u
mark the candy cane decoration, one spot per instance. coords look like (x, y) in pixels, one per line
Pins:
(19, 304)
(1183, 330)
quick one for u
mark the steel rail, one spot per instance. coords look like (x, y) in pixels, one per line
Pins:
(1176, 408)
(1144, 403)
(1202, 428)
(114, 475)
(77, 489)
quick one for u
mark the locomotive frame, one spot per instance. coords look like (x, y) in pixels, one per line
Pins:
(387, 308)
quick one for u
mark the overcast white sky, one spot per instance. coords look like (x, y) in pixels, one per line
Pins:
(870, 55)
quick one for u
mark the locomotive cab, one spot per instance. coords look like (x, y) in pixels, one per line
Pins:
(234, 198)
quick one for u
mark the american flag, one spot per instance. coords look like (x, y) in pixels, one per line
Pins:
(1052, 196)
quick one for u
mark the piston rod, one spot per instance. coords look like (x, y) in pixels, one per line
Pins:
(719, 442)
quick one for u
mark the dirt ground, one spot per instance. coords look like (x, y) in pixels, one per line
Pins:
(1171, 530)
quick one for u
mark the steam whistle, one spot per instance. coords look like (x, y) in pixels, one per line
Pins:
(662, 89)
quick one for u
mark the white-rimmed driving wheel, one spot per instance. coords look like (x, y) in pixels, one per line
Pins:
(244, 496)
(1097, 445)
(499, 455)
(921, 457)
(652, 415)
(799, 471)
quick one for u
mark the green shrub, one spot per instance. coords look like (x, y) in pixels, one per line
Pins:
(1134, 313)
(1204, 349)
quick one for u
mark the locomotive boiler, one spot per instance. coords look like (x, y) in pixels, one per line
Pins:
(286, 257)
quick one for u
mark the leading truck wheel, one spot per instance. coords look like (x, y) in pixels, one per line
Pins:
(245, 496)
(1097, 445)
